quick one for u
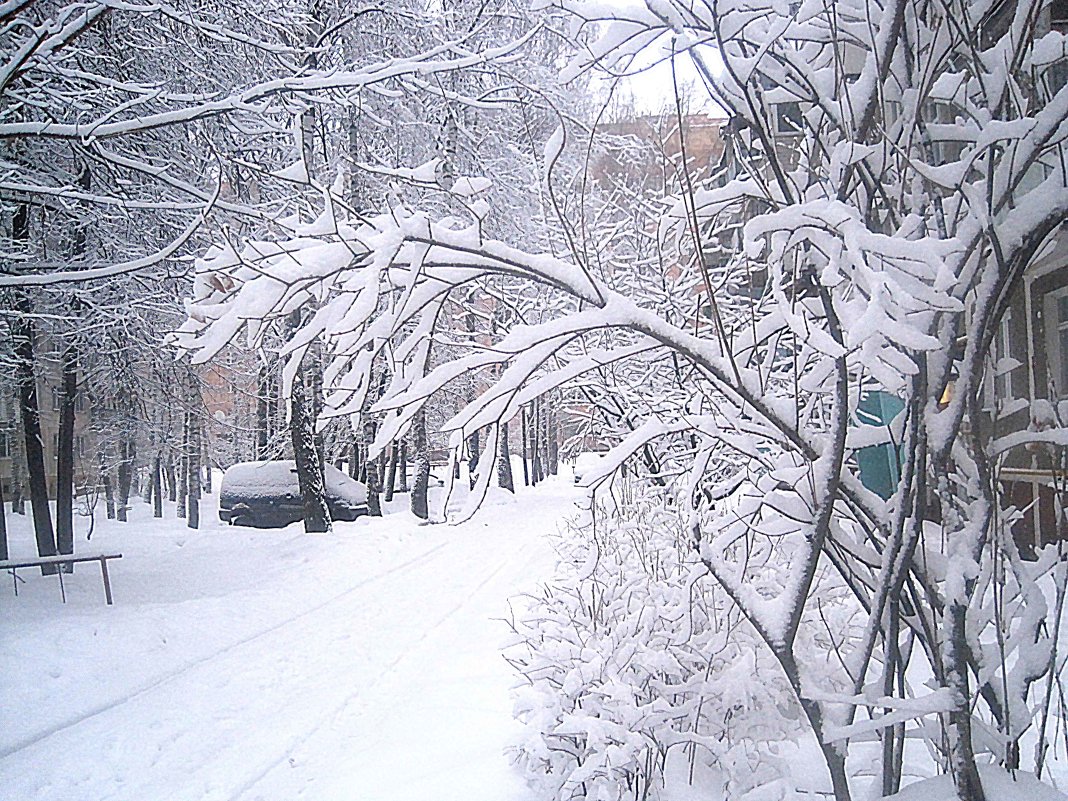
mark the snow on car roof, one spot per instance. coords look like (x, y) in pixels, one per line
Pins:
(279, 477)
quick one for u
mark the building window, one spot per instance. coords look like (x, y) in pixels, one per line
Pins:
(1004, 363)
(788, 118)
(7, 443)
(1058, 13)
(1056, 318)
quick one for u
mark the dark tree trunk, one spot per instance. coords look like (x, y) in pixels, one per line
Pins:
(535, 446)
(314, 381)
(263, 413)
(959, 721)
(523, 443)
(65, 455)
(183, 468)
(421, 455)
(18, 474)
(402, 466)
(3, 525)
(67, 406)
(109, 489)
(23, 334)
(374, 484)
(504, 463)
(354, 459)
(552, 440)
(127, 454)
(18, 481)
(372, 467)
(473, 446)
(171, 479)
(135, 473)
(309, 468)
(275, 409)
(192, 518)
(157, 486)
(391, 472)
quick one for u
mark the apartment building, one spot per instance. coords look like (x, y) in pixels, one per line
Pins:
(12, 450)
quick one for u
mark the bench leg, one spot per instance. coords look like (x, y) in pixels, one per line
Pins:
(107, 581)
(62, 589)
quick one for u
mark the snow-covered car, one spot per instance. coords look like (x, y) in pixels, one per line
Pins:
(267, 495)
(585, 462)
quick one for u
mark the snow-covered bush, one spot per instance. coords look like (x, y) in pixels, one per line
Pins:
(631, 652)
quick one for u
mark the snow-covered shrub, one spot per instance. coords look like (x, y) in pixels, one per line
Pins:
(632, 652)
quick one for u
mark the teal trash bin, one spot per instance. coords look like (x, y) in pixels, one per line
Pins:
(880, 465)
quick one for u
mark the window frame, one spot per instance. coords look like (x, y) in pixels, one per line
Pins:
(1054, 326)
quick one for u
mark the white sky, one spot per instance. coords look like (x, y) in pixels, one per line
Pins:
(650, 85)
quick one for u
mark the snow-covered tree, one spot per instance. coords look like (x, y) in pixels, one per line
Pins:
(893, 170)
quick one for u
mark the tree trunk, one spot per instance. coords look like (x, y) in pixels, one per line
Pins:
(109, 489)
(372, 467)
(552, 440)
(523, 444)
(157, 485)
(275, 409)
(354, 459)
(68, 405)
(504, 463)
(127, 454)
(402, 466)
(183, 469)
(309, 468)
(146, 488)
(374, 484)
(314, 382)
(421, 480)
(959, 720)
(192, 518)
(535, 446)
(263, 411)
(135, 473)
(65, 455)
(391, 472)
(205, 457)
(171, 479)
(3, 525)
(18, 479)
(23, 335)
(473, 446)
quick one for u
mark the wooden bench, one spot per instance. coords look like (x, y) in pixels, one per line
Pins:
(14, 565)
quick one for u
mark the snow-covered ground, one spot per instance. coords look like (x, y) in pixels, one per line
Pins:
(245, 664)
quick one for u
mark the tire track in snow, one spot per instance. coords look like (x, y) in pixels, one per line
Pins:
(34, 739)
(338, 708)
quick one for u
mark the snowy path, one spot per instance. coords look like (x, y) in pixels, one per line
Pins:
(368, 672)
